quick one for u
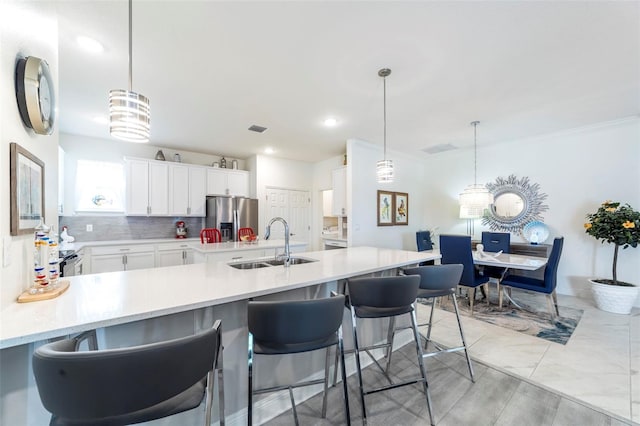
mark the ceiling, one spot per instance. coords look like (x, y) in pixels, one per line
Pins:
(211, 69)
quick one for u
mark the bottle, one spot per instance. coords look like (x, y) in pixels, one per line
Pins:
(223, 163)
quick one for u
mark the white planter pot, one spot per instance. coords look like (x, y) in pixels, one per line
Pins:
(614, 298)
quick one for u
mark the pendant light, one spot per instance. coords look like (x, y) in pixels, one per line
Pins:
(129, 113)
(384, 168)
(475, 198)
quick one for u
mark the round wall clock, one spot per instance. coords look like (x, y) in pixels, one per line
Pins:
(35, 94)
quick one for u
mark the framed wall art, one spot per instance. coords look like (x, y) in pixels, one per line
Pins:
(401, 208)
(27, 190)
(385, 208)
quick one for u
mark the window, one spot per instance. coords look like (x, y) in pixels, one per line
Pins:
(99, 186)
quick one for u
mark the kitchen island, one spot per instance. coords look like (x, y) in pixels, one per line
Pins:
(129, 302)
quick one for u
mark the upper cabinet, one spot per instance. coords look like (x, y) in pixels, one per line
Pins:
(161, 188)
(187, 190)
(147, 187)
(339, 207)
(227, 182)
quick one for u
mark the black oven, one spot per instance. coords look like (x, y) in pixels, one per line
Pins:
(70, 263)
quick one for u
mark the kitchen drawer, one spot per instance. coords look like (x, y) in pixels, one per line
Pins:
(132, 248)
(178, 245)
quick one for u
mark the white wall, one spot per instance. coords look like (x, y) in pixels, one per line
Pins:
(578, 170)
(26, 29)
(362, 195)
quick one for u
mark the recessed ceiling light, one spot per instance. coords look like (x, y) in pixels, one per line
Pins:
(330, 122)
(100, 119)
(89, 44)
(269, 150)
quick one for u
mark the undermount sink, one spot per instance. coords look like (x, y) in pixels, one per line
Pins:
(256, 264)
(249, 265)
(292, 261)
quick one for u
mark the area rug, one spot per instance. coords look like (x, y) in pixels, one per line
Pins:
(533, 319)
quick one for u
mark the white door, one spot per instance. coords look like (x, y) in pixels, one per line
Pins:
(299, 202)
(292, 206)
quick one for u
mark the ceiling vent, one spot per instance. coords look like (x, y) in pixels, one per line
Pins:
(435, 149)
(256, 128)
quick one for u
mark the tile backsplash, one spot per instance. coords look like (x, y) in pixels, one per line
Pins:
(113, 228)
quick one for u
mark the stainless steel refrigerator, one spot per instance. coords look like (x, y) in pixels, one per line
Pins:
(229, 214)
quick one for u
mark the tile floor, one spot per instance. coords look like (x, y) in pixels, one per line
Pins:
(600, 365)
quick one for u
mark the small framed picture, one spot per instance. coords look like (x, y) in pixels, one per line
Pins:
(27, 190)
(401, 208)
(385, 208)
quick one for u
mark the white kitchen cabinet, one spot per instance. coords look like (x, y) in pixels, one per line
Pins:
(147, 187)
(121, 258)
(339, 199)
(187, 190)
(173, 254)
(227, 182)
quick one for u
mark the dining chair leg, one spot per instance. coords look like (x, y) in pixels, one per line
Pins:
(464, 342)
(423, 370)
(472, 296)
(550, 304)
(486, 286)
(499, 295)
(555, 301)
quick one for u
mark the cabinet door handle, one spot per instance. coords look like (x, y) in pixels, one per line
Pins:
(124, 249)
(188, 210)
(237, 257)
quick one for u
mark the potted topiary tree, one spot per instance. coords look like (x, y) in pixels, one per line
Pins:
(618, 225)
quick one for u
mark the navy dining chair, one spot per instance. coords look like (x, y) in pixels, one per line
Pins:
(457, 249)
(424, 243)
(547, 285)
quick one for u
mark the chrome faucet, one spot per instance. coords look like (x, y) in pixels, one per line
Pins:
(267, 233)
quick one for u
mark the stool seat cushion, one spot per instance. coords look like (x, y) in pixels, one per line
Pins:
(184, 401)
(373, 312)
(275, 348)
(438, 292)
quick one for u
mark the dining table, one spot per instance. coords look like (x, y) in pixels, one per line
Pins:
(508, 261)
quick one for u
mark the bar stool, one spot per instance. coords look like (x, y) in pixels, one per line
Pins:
(129, 385)
(385, 297)
(210, 235)
(288, 327)
(438, 281)
(246, 234)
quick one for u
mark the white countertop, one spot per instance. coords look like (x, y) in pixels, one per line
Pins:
(241, 245)
(192, 242)
(100, 300)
